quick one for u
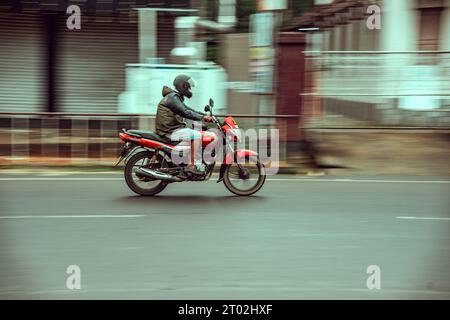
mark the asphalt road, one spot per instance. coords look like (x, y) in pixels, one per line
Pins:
(298, 238)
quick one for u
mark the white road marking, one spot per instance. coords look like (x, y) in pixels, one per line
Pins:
(159, 290)
(359, 180)
(58, 179)
(212, 180)
(424, 218)
(76, 216)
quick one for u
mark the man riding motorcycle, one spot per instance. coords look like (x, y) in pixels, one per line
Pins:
(170, 114)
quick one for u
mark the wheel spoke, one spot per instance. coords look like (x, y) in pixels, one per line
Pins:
(244, 177)
(145, 183)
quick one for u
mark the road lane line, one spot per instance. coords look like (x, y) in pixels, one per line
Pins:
(268, 179)
(72, 216)
(58, 179)
(324, 290)
(424, 218)
(359, 180)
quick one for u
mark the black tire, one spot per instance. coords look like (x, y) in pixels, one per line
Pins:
(128, 173)
(247, 192)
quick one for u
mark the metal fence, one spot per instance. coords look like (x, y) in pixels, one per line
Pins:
(90, 138)
(378, 88)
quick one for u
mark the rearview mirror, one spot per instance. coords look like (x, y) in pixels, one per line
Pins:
(211, 102)
(207, 109)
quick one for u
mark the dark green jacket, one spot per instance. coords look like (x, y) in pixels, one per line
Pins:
(172, 111)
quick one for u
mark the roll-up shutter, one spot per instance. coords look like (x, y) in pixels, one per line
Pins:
(91, 62)
(23, 70)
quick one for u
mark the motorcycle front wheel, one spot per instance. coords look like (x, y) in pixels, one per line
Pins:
(245, 179)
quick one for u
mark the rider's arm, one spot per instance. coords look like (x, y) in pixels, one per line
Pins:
(189, 108)
(178, 107)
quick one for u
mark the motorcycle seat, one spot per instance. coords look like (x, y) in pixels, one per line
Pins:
(147, 134)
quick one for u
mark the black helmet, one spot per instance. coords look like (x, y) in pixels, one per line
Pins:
(184, 84)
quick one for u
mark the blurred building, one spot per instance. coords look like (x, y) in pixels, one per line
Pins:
(47, 67)
(395, 73)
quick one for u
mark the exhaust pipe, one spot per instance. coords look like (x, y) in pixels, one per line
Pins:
(148, 173)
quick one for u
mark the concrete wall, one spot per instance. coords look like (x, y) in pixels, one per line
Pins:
(445, 28)
(399, 30)
(235, 58)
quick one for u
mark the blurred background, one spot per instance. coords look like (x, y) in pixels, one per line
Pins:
(357, 88)
(353, 85)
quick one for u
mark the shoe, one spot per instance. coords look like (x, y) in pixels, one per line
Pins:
(182, 175)
(194, 170)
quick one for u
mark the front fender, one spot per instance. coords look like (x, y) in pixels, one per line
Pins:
(239, 154)
(235, 157)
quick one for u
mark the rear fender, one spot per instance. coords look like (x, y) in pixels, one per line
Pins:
(132, 150)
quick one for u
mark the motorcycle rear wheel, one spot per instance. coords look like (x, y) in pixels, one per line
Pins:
(144, 187)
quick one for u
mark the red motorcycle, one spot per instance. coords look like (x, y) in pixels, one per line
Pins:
(149, 165)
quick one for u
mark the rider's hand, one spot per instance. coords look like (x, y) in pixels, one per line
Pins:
(208, 118)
